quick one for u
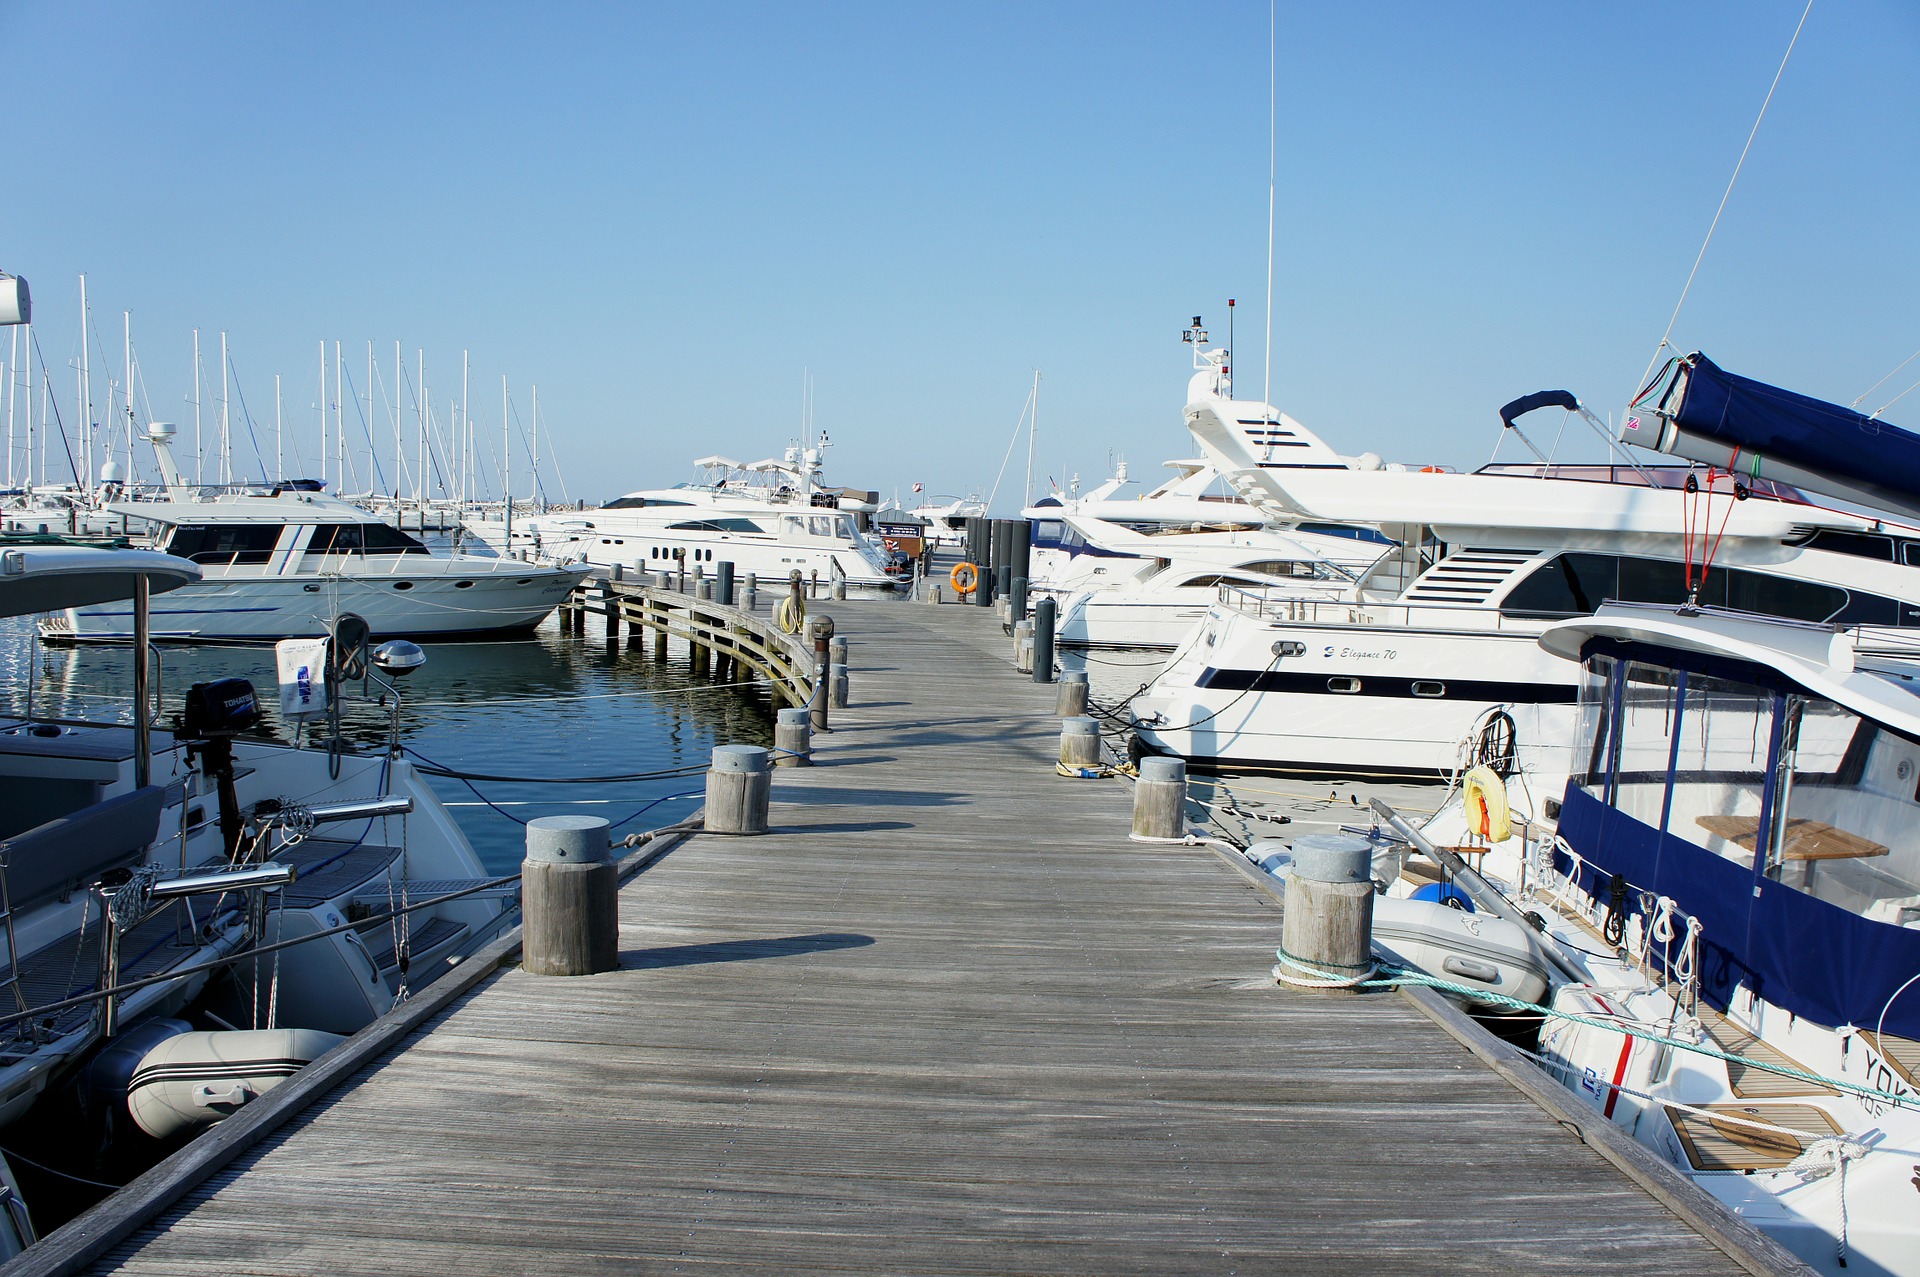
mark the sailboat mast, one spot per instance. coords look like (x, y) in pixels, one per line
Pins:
(226, 418)
(506, 462)
(126, 321)
(420, 420)
(13, 375)
(399, 447)
(199, 449)
(323, 412)
(536, 444)
(466, 436)
(339, 419)
(86, 400)
(279, 453)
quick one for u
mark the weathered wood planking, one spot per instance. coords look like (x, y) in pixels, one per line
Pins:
(946, 1019)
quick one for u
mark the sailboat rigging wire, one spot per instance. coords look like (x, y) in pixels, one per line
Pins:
(1883, 381)
(1874, 415)
(1675, 318)
(66, 444)
(1010, 443)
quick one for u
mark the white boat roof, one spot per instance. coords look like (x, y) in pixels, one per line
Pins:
(724, 463)
(1483, 502)
(1821, 658)
(52, 578)
(284, 507)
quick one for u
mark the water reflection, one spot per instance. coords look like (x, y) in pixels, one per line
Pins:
(544, 706)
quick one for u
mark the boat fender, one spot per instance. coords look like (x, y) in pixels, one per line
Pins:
(1485, 796)
(965, 578)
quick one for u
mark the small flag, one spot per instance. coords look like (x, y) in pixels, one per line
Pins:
(916, 487)
(1633, 423)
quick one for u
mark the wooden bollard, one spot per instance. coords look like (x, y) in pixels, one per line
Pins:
(837, 687)
(618, 572)
(838, 590)
(738, 785)
(1160, 798)
(1023, 646)
(1079, 742)
(1326, 935)
(837, 650)
(1071, 700)
(933, 594)
(570, 918)
(793, 738)
(611, 603)
(753, 591)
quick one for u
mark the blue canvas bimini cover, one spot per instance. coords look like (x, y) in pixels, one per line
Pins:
(1767, 424)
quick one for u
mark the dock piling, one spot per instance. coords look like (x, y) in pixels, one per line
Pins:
(1023, 647)
(723, 582)
(1326, 936)
(1043, 615)
(1072, 697)
(1160, 798)
(738, 786)
(837, 686)
(570, 920)
(793, 738)
(1079, 742)
(753, 591)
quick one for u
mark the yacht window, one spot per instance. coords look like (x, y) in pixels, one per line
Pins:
(1720, 773)
(1576, 584)
(717, 525)
(823, 527)
(1863, 545)
(636, 503)
(1280, 567)
(224, 543)
(361, 538)
(1048, 532)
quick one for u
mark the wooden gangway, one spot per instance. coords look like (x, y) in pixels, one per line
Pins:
(946, 1018)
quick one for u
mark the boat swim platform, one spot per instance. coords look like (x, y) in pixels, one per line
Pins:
(944, 1018)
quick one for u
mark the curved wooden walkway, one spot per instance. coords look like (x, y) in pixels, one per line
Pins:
(946, 1019)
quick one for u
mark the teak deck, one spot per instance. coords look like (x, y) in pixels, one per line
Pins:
(945, 1019)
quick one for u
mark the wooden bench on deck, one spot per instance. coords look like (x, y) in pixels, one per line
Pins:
(1805, 839)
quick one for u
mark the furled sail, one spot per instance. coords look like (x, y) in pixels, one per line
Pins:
(1697, 410)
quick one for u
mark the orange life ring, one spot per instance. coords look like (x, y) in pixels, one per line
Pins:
(1431, 470)
(965, 578)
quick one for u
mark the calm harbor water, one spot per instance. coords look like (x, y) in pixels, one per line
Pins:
(545, 706)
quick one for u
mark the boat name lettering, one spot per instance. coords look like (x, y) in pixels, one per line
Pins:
(1882, 1076)
(1363, 654)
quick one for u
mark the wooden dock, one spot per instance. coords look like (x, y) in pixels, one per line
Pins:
(946, 1018)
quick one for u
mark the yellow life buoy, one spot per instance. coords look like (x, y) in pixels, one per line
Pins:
(791, 614)
(1485, 796)
(965, 578)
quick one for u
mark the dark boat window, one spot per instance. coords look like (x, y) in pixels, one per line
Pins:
(1862, 545)
(717, 525)
(635, 503)
(361, 538)
(224, 543)
(1576, 585)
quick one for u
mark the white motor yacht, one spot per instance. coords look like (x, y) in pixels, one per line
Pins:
(1432, 655)
(770, 518)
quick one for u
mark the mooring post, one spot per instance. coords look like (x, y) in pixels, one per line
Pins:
(611, 603)
(1326, 932)
(837, 687)
(1072, 697)
(570, 918)
(813, 584)
(1043, 613)
(1160, 798)
(793, 737)
(1017, 600)
(738, 785)
(838, 590)
(723, 582)
(703, 589)
(660, 633)
(753, 591)
(1079, 742)
(1023, 646)
(820, 628)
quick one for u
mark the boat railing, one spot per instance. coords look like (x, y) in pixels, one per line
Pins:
(1283, 604)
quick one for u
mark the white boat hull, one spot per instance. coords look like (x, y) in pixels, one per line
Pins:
(409, 603)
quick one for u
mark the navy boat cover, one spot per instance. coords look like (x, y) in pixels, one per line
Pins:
(1763, 424)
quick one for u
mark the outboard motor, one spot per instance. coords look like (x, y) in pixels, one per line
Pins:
(215, 713)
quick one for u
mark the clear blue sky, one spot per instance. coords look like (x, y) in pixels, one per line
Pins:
(665, 214)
